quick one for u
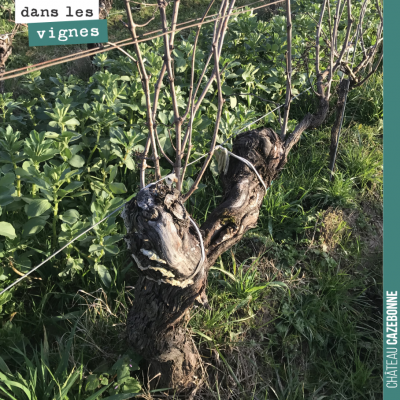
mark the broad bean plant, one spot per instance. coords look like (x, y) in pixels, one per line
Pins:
(70, 150)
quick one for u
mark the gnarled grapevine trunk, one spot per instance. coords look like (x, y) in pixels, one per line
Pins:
(163, 240)
(166, 248)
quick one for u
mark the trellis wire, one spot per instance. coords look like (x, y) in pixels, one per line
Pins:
(203, 256)
(93, 51)
(168, 176)
(72, 57)
(61, 249)
(165, 177)
(247, 162)
(99, 50)
(249, 124)
(123, 11)
(75, 238)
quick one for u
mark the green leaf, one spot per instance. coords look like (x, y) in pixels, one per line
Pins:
(233, 101)
(68, 385)
(113, 173)
(227, 90)
(72, 266)
(123, 373)
(117, 188)
(180, 64)
(23, 262)
(33, 226)
(7, 179)
(70, 216)
(8, 394)
(77, 161)
(103, 380)
(95, 247)
(163, 118)
(79, 194)
(231, 76)
(7, 230)
(37, 207)
(131, 385)
(4, 298)
(18, 385)
(6, 195)
(272, 79)
(202, 123)
(126, 360)
(263, 87)
(3, 366)
(214, 167)
(130, 164)
(42, 184)
(46, 155)
(73, 185)
(108, 240)
(225, 272)
(72, 122)
(95, 396)
(203, 335)
(104, 274)
(92, 383)
(256, 288)
(278, 284)
(111, 249)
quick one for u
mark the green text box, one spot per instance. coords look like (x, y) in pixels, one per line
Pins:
(68, 32)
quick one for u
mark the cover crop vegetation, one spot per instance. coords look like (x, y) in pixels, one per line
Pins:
(286, 305)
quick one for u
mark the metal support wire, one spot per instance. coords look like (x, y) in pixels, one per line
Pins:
(77, 55)
(60, 250)
(170, 177)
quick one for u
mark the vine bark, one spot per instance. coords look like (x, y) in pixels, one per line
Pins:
(162, 239)
(166, 248)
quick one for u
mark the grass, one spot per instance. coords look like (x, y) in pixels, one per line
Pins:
(316, 335)
(295, 306)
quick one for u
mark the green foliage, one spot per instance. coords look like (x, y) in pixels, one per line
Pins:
(361, 160)
(40, 381)
(68, 157)
(243, 282)
(7, 9)
(326, 314)
(68, 150)
(370, 95)
(49, 376)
